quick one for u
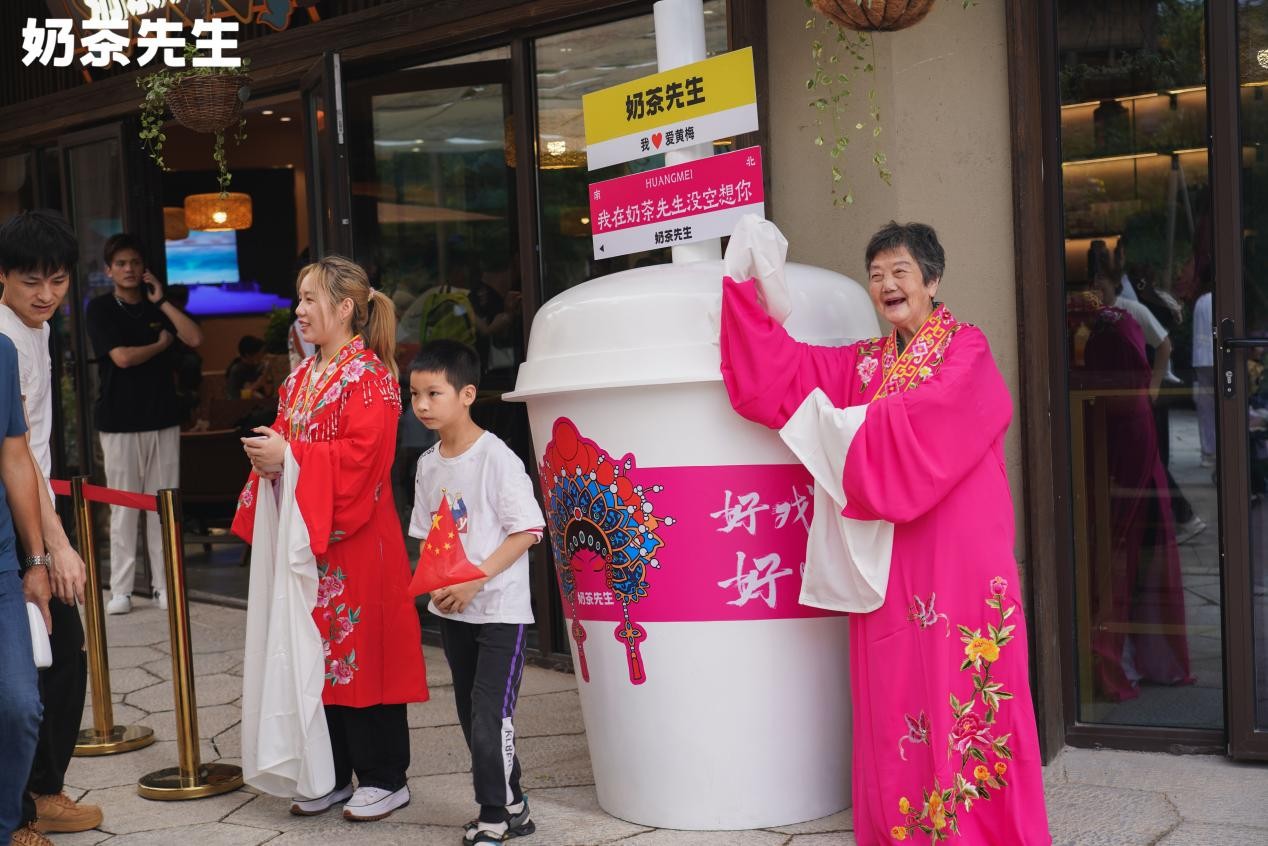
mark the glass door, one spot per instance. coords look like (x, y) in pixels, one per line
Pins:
(326, 155)
(1136, 177)
(1240, 323)
(434, 222)
(95, 201)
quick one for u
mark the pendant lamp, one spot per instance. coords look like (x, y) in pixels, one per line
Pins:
(216, 213)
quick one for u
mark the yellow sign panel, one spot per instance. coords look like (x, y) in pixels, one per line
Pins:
(724, 83)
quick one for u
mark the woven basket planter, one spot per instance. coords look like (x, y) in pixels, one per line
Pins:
(874, 15)
(208, 103)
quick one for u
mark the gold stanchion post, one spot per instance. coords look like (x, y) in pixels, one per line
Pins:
(104, 738)
(191, 779)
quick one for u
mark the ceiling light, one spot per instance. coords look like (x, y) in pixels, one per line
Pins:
(214, 213)
(267, 112)
(285, 119)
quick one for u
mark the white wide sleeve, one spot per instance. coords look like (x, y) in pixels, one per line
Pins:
(285, 742)
(847, 561)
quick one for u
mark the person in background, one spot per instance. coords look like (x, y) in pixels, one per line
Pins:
(1204, 368)
(37, 254)
(133, 328)
(245, 377)
(22, 579)
(1157, 346)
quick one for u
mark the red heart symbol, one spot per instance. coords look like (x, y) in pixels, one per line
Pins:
(656, 139)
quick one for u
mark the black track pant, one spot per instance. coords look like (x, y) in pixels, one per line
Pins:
(62, 686)
(487, 662)
(372, 742)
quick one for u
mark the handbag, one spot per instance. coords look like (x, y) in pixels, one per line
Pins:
(39, 637)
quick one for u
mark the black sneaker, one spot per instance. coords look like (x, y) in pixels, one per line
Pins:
(518, 825)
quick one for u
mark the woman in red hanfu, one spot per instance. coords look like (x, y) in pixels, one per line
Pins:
(945, 746)
(328, 550)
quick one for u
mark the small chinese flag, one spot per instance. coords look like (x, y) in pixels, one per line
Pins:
(442, 561)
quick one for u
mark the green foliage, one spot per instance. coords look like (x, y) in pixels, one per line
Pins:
(276, 331)
(157, 86)
(840, 56)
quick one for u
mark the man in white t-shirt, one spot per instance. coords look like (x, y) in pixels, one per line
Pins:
(37, 254)
(483, 622)
(1204, 376)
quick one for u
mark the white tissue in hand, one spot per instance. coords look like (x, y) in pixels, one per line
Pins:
(757, 251)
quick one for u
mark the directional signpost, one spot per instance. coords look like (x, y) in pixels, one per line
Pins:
(695, 201)
(675, 205)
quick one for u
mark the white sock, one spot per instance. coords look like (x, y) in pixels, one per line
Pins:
(517, 808)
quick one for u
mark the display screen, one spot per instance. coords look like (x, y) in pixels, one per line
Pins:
(207, 262)
(204, 258)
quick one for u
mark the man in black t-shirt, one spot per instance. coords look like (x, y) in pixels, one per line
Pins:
(132, 329)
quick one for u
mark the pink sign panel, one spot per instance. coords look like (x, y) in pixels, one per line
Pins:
(671, 206)
(672, 544)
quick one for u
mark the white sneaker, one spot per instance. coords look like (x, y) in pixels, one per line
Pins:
(313, 807)
(160, 599)
(121, 604)
(1188, 531)
(374, 803)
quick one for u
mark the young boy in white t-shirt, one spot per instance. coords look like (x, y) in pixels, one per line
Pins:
(483, 622)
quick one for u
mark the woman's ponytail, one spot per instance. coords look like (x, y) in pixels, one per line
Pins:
(380, 329)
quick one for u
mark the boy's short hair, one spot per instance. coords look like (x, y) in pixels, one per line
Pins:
(116, 244)
(459, 362)
(40, 241)
(250, 345)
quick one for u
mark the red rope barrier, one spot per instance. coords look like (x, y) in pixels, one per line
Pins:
(110, 496)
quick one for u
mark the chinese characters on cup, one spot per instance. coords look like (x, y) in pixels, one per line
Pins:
(109, 41)
(757, 576)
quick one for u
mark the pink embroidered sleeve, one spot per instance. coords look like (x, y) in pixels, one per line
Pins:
(915, 447)
(767, 373)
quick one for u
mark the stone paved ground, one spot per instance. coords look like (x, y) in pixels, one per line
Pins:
(1094, 797)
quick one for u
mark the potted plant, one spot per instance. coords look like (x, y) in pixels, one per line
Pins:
(842, 48)
(204, 99)
(874, 15)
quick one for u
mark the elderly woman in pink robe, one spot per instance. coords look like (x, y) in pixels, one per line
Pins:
(945, 746)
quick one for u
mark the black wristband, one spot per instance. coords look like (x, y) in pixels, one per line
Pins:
(160, 302)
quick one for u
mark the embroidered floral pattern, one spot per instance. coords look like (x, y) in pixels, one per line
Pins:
(338, 624)
(868, 361)
(308, 392)
(247, 497)
(925, 615)
(340, 670)
(971, 743)
(917, 732)
(922, 358)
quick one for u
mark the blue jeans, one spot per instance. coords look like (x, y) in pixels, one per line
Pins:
(20, 710)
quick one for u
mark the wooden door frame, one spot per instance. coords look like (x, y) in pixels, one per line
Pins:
(1039, 271)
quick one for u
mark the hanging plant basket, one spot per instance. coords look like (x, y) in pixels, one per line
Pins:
(874, 15)
(209, 103)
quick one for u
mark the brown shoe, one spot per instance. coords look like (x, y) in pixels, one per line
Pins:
(60, 813)
(28, 836)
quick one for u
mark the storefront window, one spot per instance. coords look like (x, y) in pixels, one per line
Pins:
(1135, 177)
(570, 65)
